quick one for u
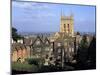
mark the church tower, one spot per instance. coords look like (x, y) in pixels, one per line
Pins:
(67, 24)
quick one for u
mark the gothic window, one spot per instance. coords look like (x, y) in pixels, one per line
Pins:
(64, 27)
(68, 27)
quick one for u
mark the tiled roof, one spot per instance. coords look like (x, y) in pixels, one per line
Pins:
(17, 46)
(28, 41)
(46, 40)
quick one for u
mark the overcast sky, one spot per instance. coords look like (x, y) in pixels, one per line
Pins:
(45, 17)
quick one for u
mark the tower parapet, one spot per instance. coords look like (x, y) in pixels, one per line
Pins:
(67, 25)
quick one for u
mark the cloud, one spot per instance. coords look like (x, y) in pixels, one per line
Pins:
(32, 15)
(32, 10)
(21, 4)
(30, 5)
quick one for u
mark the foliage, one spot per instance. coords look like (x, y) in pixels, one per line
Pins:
(83, 50)
(92, 53)
(15, 35)
(78, 33)
(92, 49)
(35, 61)
(84, 43)
(24, 67)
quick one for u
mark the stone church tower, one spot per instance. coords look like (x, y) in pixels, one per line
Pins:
(67, 25)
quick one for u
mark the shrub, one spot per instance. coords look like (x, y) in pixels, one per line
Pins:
(24, 67)
(35, 61)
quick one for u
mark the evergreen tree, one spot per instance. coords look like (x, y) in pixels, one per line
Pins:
(92, 53)
(78, 33)
(15, 35)
(83, 50)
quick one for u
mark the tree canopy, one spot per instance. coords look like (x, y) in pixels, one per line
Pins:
(15, 35)
(78, 33)
(83, 50)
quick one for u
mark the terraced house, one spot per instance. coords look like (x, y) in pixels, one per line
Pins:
(31, 48)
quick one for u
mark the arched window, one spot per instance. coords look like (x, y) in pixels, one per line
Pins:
(65, 27)
(68, 27)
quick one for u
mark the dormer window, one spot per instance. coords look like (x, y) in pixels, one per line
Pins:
(38, 42)
(47, 43)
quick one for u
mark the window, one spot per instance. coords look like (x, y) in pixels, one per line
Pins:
(59, 50)
(47, 42)
(47, 48)
(64, 25)
(38, 42)
(59, 44)
(38, 49)
(68, 27)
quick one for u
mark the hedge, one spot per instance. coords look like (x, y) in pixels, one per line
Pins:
(24, 67)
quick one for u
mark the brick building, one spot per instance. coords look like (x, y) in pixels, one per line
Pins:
(19, 52)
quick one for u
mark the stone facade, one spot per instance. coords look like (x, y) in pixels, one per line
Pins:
(67, 25)
(40, 46)
(65, 43)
